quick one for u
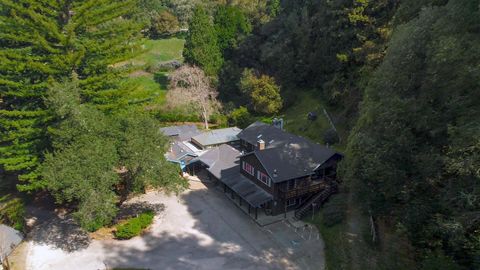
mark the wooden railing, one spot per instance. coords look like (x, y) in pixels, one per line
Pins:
(312, 188)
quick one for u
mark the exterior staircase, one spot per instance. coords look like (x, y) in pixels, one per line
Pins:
(316, 201)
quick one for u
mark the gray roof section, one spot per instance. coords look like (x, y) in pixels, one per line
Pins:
(247, 190)
(289, 155)
(178, 150)
(181, 133)
(221, 159)
(217, 136)
(9, 238)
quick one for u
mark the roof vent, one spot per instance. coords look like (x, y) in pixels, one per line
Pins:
(275, 174)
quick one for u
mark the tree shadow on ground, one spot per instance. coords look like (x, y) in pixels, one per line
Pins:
(128, 210)
(58, 231)
(202, 237)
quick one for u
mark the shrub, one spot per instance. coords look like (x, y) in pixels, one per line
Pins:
(240, 117)
(134, 226)
(12, 212)
(219, 119)
(330, 137)
(439, 261)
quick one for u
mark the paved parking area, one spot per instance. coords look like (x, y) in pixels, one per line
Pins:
(199, 229)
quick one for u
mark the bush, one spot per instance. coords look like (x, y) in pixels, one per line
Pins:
(12, 212)
(134, 226)
(331, 137)
(439, 261)
(219, 119)
(240, 117)
(163, 66)
(334, 211)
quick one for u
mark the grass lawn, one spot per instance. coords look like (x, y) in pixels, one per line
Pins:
(296, 118)
(144, 86)
(161, 50)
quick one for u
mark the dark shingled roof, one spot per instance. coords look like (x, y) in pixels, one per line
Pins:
(286, 156)
(182, 133)
(272, 136)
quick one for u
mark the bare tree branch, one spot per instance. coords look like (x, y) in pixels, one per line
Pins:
(189, 86)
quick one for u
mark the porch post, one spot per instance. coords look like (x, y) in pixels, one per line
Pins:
(256, 214)
(285, 213)
(240, 200)
(249, 209)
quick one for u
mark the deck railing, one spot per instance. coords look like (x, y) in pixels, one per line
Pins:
(313, 187)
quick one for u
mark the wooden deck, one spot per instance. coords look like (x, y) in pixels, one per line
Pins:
(313, 187)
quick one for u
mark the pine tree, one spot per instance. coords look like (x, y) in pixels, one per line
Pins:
(201, 45)
(43, 41)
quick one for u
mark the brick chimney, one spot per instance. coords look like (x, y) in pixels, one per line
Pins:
(261, 144)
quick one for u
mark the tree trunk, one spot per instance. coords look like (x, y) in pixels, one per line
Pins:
(205, 118)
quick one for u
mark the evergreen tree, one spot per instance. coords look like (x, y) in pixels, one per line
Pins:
(231, 26)
(201, 45)
(44, 41)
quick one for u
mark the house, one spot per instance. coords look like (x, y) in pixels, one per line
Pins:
(187, 142)
(274, 170)
(290, 168)
(216, 137)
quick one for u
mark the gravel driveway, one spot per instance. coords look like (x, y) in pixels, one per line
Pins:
(199, 229)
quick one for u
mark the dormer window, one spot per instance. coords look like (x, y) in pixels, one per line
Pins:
(264, 178)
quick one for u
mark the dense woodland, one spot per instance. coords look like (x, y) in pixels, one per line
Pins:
(402, 78)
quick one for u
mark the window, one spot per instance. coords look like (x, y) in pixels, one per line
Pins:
(248, 168)
(263, 178)
(291, 202)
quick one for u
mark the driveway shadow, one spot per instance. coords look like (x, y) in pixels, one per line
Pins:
(56, 231)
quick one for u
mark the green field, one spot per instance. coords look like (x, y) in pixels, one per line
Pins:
(147, 86)
(156, 51)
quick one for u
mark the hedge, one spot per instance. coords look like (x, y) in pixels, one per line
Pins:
(134, 226)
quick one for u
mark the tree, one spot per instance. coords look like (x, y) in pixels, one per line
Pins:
(231, 26)
(263, 91)
(163, 23)
(142, 150)
(98, 159)
(190, 87)
(43, 41)
(240, 117)
(413, 154)
(201, 44)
